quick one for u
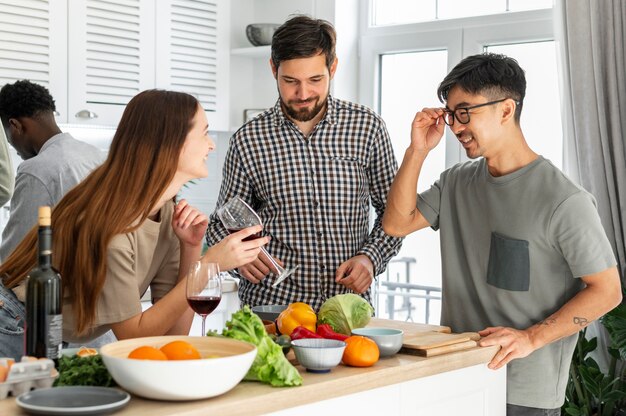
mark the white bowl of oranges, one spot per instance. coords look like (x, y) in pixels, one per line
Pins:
(178, 367)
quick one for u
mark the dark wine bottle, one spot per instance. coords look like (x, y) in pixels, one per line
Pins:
(44, 321)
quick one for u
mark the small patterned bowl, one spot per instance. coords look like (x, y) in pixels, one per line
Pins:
(389, 340)
(318, 355)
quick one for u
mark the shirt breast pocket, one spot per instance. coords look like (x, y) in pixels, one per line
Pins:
(509, 263)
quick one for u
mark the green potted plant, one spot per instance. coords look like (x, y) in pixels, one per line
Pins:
(589, 390)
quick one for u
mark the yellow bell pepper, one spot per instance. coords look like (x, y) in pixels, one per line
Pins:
(296, 314)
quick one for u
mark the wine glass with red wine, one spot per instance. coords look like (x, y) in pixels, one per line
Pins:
(204, 288)
(237, 215)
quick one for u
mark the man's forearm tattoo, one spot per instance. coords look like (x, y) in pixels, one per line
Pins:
(579, 320)
(547, 321)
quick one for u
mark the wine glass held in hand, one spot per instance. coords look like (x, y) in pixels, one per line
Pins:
(204, 288)
(237, 215)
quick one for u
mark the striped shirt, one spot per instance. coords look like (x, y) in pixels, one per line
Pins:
(313, 195)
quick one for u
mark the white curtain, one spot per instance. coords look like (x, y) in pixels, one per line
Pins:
(592, 43)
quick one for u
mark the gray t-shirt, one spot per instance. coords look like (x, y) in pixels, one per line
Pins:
(60, 165)
(511, 249)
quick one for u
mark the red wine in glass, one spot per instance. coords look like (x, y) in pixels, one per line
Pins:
(249, 238)
(204, 288)
(203, 305)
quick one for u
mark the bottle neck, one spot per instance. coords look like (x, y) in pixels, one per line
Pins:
(45, 247)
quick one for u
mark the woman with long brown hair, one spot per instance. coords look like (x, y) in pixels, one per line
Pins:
(119, 232)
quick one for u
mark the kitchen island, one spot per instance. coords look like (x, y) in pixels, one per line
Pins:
(449, 384)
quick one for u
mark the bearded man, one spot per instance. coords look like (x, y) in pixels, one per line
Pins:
(310, 167)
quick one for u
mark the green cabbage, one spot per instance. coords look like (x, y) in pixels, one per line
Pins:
(345, 312)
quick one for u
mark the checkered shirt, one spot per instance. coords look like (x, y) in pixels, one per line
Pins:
(313, 195)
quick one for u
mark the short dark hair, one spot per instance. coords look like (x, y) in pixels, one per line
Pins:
(304, 37)
(24, 99)
(493, 75)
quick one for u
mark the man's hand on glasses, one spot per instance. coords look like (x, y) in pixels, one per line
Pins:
(427, 129)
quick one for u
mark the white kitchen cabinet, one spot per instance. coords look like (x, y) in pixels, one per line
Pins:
(110, 57)
(33, 45)
(192, 53)
(95, 55)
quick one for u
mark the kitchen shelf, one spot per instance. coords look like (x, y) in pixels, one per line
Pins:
(252, 52)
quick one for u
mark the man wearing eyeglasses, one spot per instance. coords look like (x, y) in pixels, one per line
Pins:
(526, 261)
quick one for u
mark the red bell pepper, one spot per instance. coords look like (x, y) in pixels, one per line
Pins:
(301, 332)
(326, 331)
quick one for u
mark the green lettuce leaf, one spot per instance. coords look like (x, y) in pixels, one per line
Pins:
(270, 365)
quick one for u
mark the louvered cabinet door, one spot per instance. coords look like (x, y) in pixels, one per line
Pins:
(192, 53)
(111, 57)
(33, 39)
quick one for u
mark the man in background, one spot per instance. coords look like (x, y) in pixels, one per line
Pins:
(54, 162)
(6, 171)
(310, 166)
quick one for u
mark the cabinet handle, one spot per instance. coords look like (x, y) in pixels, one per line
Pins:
(86, 114)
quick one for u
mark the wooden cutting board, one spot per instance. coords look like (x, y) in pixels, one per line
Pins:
(429, 345)
(407, 327)
(445, 349)
(428, 340)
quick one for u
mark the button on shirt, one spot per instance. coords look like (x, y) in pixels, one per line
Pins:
(313, 196)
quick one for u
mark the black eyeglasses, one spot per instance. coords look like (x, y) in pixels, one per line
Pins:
(462, 114)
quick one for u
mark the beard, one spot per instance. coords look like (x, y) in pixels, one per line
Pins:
(303, 114)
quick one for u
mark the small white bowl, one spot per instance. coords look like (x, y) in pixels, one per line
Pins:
(389, 340)
(318, 355)
(180, 379)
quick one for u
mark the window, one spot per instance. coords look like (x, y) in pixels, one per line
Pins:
(542, 97)
(393, 12)
(396, 92)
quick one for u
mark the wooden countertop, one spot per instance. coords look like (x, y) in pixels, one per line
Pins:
(249, 398)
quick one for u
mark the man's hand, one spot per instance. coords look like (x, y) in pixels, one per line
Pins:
(427, 129)
(259, 269)
(514, 344)
(356, 273)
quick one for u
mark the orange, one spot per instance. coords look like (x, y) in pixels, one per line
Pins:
(180, 350)
(86, 352)
(360, 352)
(147, 353)
(4, 372)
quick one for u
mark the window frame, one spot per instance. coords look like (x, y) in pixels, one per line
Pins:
(461, 37)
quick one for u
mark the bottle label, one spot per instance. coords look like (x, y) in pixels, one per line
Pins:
(55, 335)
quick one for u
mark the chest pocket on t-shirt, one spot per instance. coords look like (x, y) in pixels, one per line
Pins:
(509, 263)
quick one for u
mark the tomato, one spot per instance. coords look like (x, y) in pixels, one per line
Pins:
(360, 352)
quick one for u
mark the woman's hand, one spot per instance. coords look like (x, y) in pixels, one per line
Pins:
(189, 224)
(233, 251)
